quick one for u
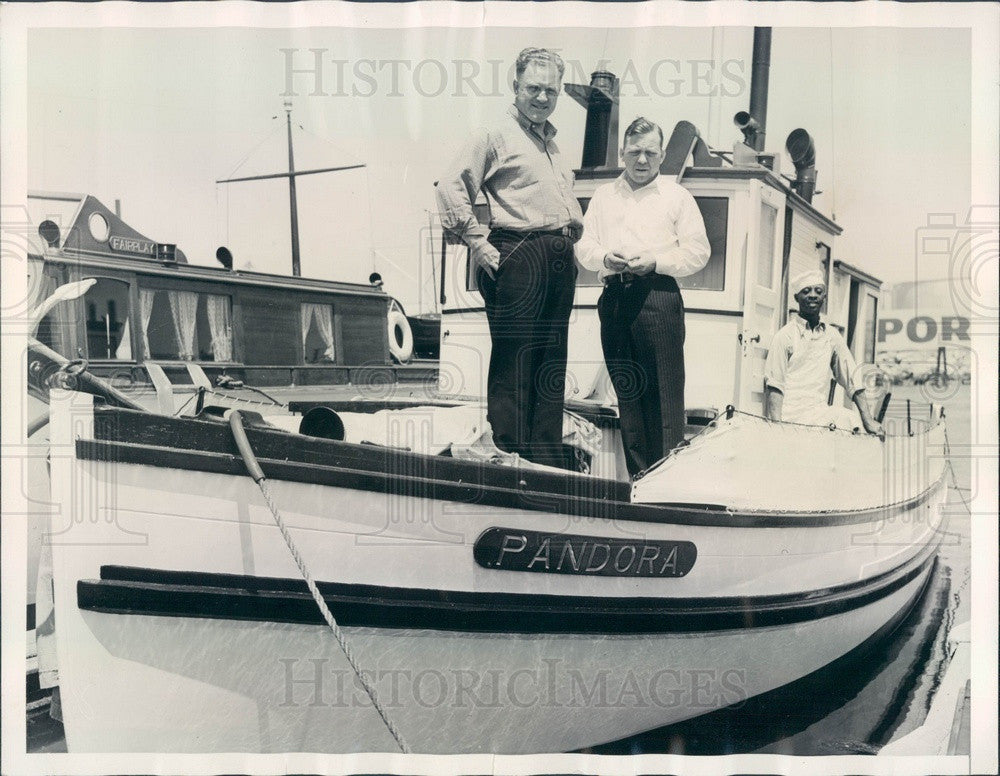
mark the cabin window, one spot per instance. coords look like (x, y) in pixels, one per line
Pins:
(215, 328)
(186, 326)
(317, 333)
(55, 329)
(106, 316)
(765, 247)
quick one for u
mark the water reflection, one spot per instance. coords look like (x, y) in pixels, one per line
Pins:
(854, 705)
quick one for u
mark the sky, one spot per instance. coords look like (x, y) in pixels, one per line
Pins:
(153, 117)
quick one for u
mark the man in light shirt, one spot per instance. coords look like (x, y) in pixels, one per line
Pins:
(803, 356)
(641, 232)
(526, 273)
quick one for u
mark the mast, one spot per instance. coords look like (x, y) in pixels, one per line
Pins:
(296, 266)
(292, 175)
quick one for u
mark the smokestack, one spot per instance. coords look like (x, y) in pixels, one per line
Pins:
(800, 147)
(600, 137)
(758, 84)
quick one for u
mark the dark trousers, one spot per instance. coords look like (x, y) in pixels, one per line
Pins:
(642, 334)
(528, 305)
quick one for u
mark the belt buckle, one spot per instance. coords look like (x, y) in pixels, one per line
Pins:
(620, 278)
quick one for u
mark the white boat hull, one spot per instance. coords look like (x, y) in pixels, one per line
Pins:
(197, 685)
(159, 650)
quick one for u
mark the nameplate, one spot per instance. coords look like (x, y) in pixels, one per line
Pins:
(132, 245)
(510, 549)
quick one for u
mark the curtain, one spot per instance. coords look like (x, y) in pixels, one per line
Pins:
(146, 298)
(306, 311)
(124, 349)
(323, 316)
(220, 327)
(184, 311)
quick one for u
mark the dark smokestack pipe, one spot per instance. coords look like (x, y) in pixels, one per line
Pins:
(600, 137)
(800, 147)
(758, 83)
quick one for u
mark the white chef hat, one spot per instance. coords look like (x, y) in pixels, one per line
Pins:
(811, 277)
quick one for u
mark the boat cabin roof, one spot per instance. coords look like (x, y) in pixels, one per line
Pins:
(759, 172)
(94, 236)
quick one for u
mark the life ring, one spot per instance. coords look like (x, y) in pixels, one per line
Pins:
(400, 336)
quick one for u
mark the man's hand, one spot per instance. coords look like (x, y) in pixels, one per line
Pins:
(615, 262)
(874, 428)
(487, 257)
(641, 265)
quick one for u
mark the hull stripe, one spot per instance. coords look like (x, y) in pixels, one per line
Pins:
(144, 591)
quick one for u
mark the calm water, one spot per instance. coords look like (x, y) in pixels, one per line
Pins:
(876, 694)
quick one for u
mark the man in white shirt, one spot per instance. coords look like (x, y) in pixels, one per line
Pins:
(803, 356)
(641, 232)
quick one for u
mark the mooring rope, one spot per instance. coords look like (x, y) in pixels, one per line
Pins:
(255, 472)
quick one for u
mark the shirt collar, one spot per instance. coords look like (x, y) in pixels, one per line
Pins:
(547, 130)
(800, 322)
(623, 185)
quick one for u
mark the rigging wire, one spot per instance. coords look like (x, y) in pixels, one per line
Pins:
(368, 184)
(239, 164)
(254, 149)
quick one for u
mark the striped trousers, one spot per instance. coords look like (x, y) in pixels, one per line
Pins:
(642, 334)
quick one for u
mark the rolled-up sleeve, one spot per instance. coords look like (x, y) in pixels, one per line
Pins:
(776, 365)
(458, 188)
(692, 251)
(590, 252)
(845, 368)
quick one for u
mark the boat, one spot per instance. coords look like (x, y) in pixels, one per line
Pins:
(493, 608)
(233, 581)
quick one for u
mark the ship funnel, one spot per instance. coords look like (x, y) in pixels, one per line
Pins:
(800, 148)
(759, 77)
(600, 137)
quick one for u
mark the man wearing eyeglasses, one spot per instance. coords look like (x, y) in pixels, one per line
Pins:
(641, 232)
(525, 268)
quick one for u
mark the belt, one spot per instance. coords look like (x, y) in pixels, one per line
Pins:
(652, 280)
(573, 232)
(620, 279)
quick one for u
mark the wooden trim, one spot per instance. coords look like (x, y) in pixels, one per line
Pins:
(166, 593)
(185, 273)
(201, 445)
(854, 272)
